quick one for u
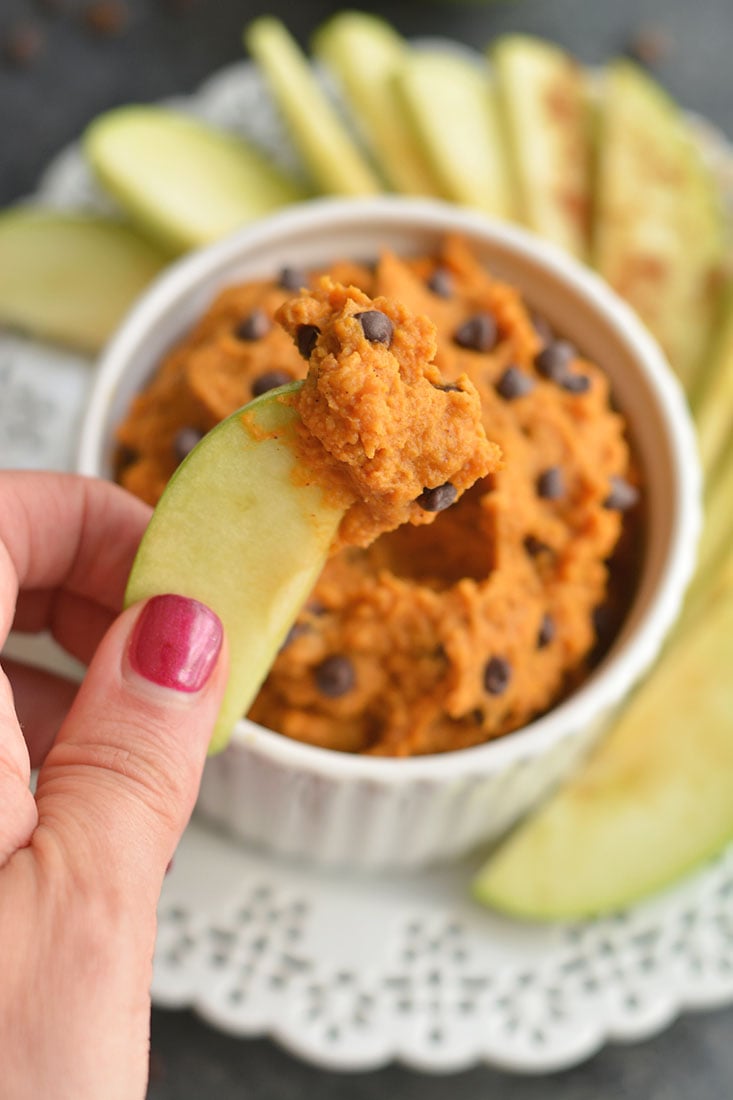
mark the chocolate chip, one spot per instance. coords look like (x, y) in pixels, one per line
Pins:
(185, 440)
(447, 387)
(497, 674)
(270, 380)
(441, 283)
(602, 618)
(377, 326)
(297, 630)
(553, 361)
(514, 383)
(306, 338)
(542, 327)
(126, 456)
(478, 333)
(546, 632)
(22, 45)
(106, 18)
(535, 546)
(439, 498)
(478, 716)
(551, 484)
(292, 278)
(623, 495)
(575, 383)
(335, 676)
(256, 325)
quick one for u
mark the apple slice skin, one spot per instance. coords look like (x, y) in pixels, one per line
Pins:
(70, 278)
(236, 530)
(651, 804)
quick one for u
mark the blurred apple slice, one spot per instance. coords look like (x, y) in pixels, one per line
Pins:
(330, 154)
(185, 183)
(237, 530)
(714, 404)
(364, 53)
(652, 803)
(544, 98)
(658, 233)
(70, 278)
(451, 104)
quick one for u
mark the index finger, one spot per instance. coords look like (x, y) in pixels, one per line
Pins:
(63, 534)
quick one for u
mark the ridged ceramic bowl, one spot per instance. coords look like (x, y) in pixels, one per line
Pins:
(360, 811)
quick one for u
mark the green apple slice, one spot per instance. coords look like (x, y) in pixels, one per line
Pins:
(70, 278)
(652, 803)
(544, 98)
(184, 182)
(658, 226)
(364, 53)
(714, 404)
(238, 531)
(332, 158)
(452, 107)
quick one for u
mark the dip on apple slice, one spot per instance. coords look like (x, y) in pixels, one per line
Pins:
(373, 438)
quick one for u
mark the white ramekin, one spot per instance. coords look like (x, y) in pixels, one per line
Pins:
(335, 808)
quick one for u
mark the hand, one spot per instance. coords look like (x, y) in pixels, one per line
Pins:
(82, 863)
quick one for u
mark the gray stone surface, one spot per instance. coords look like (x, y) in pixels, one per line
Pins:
(45, 106)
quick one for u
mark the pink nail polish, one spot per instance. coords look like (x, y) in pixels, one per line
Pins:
(176, 642)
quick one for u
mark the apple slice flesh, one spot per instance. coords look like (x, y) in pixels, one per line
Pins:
(365, 53)
(653, 802)
(666, 262)
(238, 531)
(330, 154)
(544, 96)
(70, 278)
(450, 103)
(184, 182)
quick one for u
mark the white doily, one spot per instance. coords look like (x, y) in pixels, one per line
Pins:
(354, 972)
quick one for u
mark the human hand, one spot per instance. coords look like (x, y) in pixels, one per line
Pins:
(82, 863)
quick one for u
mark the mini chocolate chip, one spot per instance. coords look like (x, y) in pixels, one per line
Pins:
(551, 484)
(575, 383)
(447, 387)
(514, 383)
(553, 361)
(106, 18)
(256, 325)
(623, 495)
(478, 333)
(335, 676)
(542, 327)
(126, 456)
(546, 632)
(602, 618)
(22, 45)
(497, 674)
(185, 440)
(377, 326)
(292, 278)
(306, 337)
(478, 716)
(296, 631)
(535, 546)
(441, 282)
(439, 498)
(270, 380)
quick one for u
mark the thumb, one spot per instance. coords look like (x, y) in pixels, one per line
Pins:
(118, 786)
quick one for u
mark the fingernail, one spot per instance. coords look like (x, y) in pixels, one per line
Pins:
(176, 642)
